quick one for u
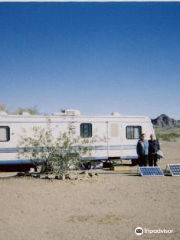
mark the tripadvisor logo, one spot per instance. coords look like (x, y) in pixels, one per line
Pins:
(138, 231)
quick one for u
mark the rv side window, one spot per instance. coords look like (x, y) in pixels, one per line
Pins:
(133, 132)
(86, 130)
(4, 134)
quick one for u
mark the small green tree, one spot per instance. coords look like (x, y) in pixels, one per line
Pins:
(61, 152)
(30, 110)
(3, 107)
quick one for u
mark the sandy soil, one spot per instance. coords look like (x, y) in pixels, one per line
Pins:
(109, 207)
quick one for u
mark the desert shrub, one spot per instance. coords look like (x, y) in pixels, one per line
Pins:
(168, 136)
(30, 110)
(61, 153)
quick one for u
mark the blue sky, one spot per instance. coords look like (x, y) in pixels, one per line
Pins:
(95, 57)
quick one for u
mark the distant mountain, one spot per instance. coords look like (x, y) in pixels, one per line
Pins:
(166, 122)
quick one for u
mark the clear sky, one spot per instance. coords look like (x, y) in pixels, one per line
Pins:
(95, 57)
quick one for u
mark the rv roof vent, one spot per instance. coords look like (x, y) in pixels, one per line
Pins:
(116, 114)
(68, 112)
(25, 114)
(2, 113)
(72, 112)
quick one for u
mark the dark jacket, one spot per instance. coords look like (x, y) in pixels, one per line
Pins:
(153, 146)
(142, 148)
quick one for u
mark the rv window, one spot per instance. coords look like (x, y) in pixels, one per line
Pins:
(86, 130)
(4, 133)
(133, 132)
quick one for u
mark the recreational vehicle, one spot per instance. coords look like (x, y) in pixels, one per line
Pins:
(118, 135)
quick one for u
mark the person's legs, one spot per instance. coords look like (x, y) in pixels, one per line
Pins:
(150, 161)
(140, 161)
(145, 162)
(155, 160)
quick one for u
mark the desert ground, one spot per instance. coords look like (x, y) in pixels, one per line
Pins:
(108, 207)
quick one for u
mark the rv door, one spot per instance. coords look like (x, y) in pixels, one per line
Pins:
(114, 140)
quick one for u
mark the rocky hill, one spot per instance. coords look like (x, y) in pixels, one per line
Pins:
(163, 121)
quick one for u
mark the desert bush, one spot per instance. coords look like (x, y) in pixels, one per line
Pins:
(30, 110)
(61, 153)
(19, 110)
(168, 136)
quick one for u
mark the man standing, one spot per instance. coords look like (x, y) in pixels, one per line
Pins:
(153, 148)
(143, 150)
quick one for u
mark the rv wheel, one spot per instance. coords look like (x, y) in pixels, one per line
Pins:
(88, 166)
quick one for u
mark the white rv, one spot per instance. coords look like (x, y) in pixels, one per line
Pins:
(119, 134)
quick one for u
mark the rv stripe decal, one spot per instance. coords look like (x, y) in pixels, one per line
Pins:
(95, 148)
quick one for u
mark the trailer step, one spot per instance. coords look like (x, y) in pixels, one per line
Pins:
(120, 168)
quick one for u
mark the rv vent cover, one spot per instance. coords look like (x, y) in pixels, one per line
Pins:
(2, 113)
(68, 112)
(72, 112)
(25, 114)
(116, 114)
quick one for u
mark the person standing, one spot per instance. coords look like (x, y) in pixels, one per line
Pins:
(143, 150)
(153, 148)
